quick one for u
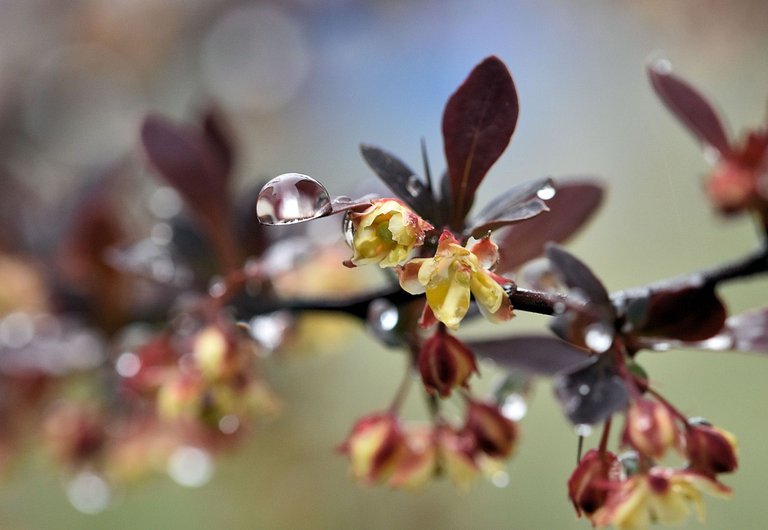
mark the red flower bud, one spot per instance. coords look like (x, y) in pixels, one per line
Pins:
(375, 447)
(592, 481)
(710, 450)
(650, 428)
(445, 362)
(494, 434)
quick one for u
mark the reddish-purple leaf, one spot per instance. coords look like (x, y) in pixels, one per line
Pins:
(219, 137)
(682, 312)
(592, 394)
(576, 275)
(519, 203)
(188, 162)
(689, 106)
(572, 206)
(515, 214)
(478, 123)
(535, 354)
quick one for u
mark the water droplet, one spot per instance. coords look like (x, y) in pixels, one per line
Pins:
(583, 389)
(229, 424)
(165, 203)
(500, 479)
(348, 228)
(662, 66)
(698, 420)
(128, 364)
(292, 198)
(559, 308)
(630, 461)
(89, 493)
(718, 342)
(582, 429)
(190, 466)
(383, 318)
(598, 337)
(546, 192)
(413, 185)
(161, 234)
(514, 407)
(217, 287)
(16, 330)
(270, 330)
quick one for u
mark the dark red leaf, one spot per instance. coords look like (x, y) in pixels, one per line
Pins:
(536, 354)
(572, 206)
(592, 394)
(747, 332)
(400, 179)
(189, 163)
(689, 106)
(478, 123)
(515, 214)
(219, 137)
(576, 275)
(683, 312)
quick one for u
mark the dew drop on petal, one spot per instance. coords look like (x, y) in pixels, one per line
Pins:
(514, 407)
(582, 429)
(292, 198)
(89, 493)
(546, 192)
(190, 466)
(348, 228)
(598, 337)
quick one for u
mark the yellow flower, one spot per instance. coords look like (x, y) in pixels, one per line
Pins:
(661, 496)
(385, 233)
(452, 274)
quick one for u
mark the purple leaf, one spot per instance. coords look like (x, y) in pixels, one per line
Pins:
(515, 214)
(576, 275)
(535, 354)
(689, 106)
(572, 206)
(189, 163)
(592, 394)
(400, 179)
(682, 312)
(219, 137)
(478, 123)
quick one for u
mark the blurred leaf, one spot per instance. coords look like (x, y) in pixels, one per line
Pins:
(576, 275)
(592, 394)
(687, 313)
(217, 133)
(478, 123)
(749, 331)
(189, 163)
(515, 214)
(536, 354)
(689, 106)
(400, 179)
(572, 206)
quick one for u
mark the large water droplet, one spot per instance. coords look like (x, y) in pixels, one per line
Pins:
(292, 198)
(598, 337)
(546, 192)
(514, 407)
(89, 493)
(348, 228)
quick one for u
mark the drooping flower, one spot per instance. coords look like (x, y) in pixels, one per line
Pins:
(662, 495)
(592, 480)
(650, 428)
(445, 362)
(376, 446)
(494, 434)
(455, 273)
(385, 233)
(710, 450)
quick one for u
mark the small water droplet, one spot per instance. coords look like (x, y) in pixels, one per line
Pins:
(229, 424)
(165, 203)
(559, 308)
(16, 330)
(500, 479)
(190, 466)
(514, 407)
(217, 287)
(630, 461)
(582, 429)
(270, 330)
(413, 185)
(89, 493)
(718, 342)
(348, 228)
(598, 337)
(546, 192)
(698, 420)
(292, 198)
(383, 318)
(662, 66)
(583, 389)
(161, 234)
(128, 364)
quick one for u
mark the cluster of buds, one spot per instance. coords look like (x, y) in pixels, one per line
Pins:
(633, 491)
(383, 450)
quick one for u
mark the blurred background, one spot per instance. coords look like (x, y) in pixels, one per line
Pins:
(303, 82)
